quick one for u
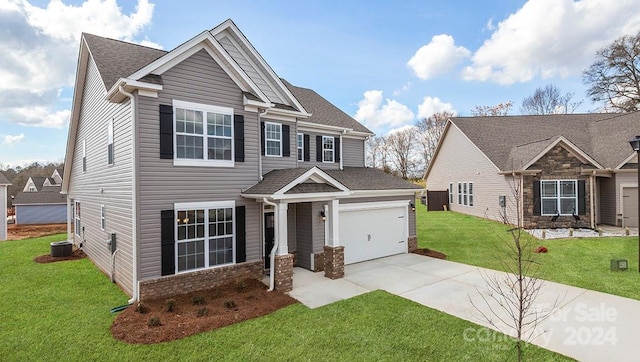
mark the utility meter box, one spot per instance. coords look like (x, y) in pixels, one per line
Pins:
(502, 201)
(619, 264)
(111, 243)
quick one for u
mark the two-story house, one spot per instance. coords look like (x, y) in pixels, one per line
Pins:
(40, 201)
(199, 166)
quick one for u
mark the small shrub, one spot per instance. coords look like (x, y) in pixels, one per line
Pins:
(203, 312)
(142, 308)
(241, 287)
(197, 300)
(170, 305)
(216, 293)
(230, 304)
(154, 322)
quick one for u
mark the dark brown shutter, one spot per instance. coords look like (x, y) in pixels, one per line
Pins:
(307, 147)
(167, 234)
(319, 148)
(166, 131)
(286, 142)
(537, 202)
(241, 235)
(262, 138)
(238, 137)
(582, 205)
(336, 149)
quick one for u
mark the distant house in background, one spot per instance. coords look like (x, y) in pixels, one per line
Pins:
(3, 206)
(41, 201)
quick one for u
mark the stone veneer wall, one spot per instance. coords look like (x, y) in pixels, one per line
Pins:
(334, 262)
(318, 262)
(557, 164)
(413, 243)
(283, 279)
(171, 285)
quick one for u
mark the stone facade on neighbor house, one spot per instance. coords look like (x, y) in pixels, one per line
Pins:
(551, 171)
(202, 162)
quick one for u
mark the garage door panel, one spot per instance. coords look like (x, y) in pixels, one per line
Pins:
(630, 207)
(375, 233)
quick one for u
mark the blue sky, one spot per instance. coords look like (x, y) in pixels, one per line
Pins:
(385, 63)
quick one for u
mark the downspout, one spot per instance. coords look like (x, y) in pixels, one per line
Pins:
(134, 196)
(592, 178)
(272, 254)
(341, 147)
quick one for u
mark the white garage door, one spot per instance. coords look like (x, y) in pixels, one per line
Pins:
(373, 230)
(630, 207)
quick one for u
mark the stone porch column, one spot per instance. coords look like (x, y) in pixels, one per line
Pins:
(283, 278)
(333, 251)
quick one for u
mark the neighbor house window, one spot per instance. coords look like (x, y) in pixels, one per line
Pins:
(465, 193)
(84, 156)
(327, 149)
(450, 193)
(273, 138)
(300, 145)
(203, 133)
(76, 217)
(470, 190)
(559, 197)
(459, 193)
(103, 218)
(205, 235)
(110, 143)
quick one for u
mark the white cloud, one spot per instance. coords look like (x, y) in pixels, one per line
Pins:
(408, 127)
(439, 56)
(432, 105)
(376, 112)
(405, 87)
(39, 49)
(9, 139)
(490, 25)
(551, 38)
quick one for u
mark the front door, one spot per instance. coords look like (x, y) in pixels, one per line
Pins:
(269, 236)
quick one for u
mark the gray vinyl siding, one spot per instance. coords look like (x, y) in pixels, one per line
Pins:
(102, 184)
(317, 226)
(41, 214)
(312, 153)
(197, 79)
(412, 214)
(270, 163)
(304, 235)
(352, 152)
(459, 160)
(291, 227)
(250, 70)
(607, 193)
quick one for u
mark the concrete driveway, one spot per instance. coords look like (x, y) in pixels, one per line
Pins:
(587, 325)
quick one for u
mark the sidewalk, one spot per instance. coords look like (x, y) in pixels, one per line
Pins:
(588, 325)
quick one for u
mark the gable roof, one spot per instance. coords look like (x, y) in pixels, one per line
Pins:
(511, 142)
(4, 180)
(361, 178)
(38, 181)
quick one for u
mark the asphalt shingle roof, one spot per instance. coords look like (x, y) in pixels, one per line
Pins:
(354, 178)
(512, 141)
(4, 180)
(26, 198)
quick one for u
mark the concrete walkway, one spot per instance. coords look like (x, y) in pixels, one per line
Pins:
(587, 325)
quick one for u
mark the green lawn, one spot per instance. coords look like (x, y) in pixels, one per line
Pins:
(60, 311)
(582, 262)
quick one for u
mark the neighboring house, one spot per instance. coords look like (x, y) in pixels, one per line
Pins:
(4, 182)
(41, 201)
(191, 168)
(575, 170)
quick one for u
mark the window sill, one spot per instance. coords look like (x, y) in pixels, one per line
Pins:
(203, 163)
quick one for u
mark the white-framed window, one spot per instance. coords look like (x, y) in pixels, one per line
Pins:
(103, 218)
(84, 156)
(203, 134)
(300, 146)
(205, 235)
(450, 193)
(32, 188)
(327, 149)
(465, 193)
(559, 197)
(273, 139)
(110, 143)
(76, 218)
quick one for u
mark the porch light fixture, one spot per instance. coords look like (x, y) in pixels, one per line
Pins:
(323, 215)
(635, 144)
(413, 206)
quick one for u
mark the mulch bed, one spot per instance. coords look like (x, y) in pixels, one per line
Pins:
(431, 253)
(18, 232)
(77, 254)
(196, 312)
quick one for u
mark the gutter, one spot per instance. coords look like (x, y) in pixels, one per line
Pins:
(134, 197)
(272, 254)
